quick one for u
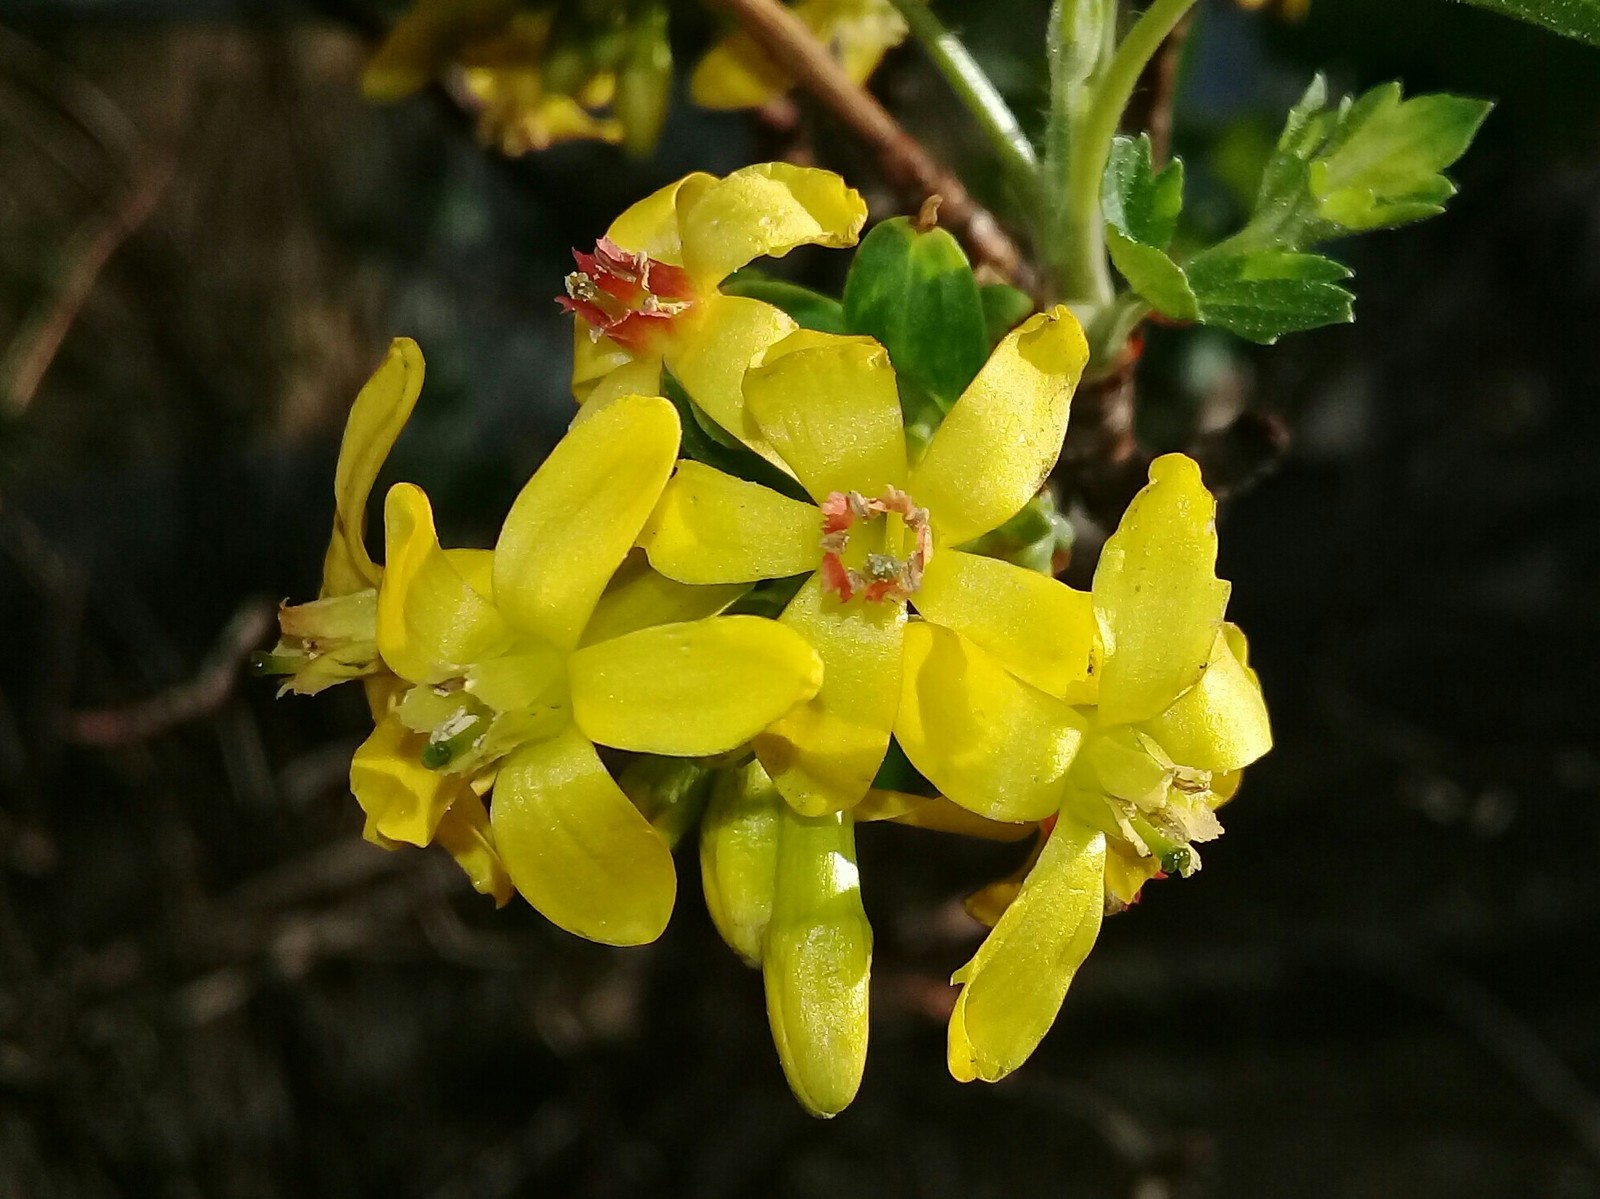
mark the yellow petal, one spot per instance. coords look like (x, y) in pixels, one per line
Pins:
(824, 754)
(576, 849)
(376, 418)
(465, 834)
(829, 407)
(693, 689)
(735, 73)
(651, 226)
(817, 961)
(1015, 983)
(1127, 872)
(987, 740)
(403, 800)
(713, 528)
(993, 451)
(432, 623)
(1220, 724)
(423, 39)
(639, 597)
(578, 516)
(1041, 629)
(860, 34)
(764, 210)
(597, 361)
(739, 856)
(936, 813)
(1156, 595)
(711, 350)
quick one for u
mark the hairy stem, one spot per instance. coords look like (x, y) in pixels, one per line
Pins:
(1082, 272)
(981, 98)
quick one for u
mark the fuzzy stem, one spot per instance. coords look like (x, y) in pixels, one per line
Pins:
(1082, 273)
(980, 96)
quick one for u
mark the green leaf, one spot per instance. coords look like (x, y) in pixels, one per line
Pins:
(914, 291)
(1004, 308)
(1138, 201)
(1382, 164)
(1363, 164)
(1141, 207)
(1262, 295)
(810, 309)
(1570, 18)
(1153, 275)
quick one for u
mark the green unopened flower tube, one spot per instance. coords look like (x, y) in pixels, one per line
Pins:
(739, 856)
(817, 959)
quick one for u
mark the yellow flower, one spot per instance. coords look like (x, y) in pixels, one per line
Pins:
(503, 54)
(1177, 714)
(648, 297)
(737, 73)
(335, 637)
(977, 691)
(520, 659)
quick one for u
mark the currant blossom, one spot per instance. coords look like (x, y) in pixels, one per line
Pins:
(518, 660)
(1176, 714)
(647, 299)
(737, 73)
(976, 692)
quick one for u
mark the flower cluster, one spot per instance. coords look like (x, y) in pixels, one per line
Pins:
(780, 644)
(544, 71)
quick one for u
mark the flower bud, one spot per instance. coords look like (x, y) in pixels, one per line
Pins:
(817, 959)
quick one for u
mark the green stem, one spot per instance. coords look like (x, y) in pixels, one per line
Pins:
(1082, 273)
(981, 98)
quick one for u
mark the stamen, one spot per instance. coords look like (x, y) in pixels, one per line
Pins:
(885, 576)
(624, 295)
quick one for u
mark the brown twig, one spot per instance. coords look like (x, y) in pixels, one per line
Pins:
(108, 728)
(906, 163)
(23, 367)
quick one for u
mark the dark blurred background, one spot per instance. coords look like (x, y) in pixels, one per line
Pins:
(1380, 985)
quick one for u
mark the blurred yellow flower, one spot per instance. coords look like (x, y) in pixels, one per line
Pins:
(648, 297)
(1177, 714)
(518, 660)
(977, 693)
(737, 73)
(504, 54)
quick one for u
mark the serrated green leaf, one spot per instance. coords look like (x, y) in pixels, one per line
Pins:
(1381, 166)
(1138, 201)
(810, 309)
(914, 291)
(1578, 19)
(1261, 296)
(1367, 163)
(1004, 308)
(1153, 275)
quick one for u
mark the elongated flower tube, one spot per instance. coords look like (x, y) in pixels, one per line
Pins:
(1177, 714)
(737, 73)
(648, 297)
(978, 691)
(519, 660)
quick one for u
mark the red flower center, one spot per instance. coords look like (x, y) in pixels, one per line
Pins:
(626, 296)
(881, 576)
